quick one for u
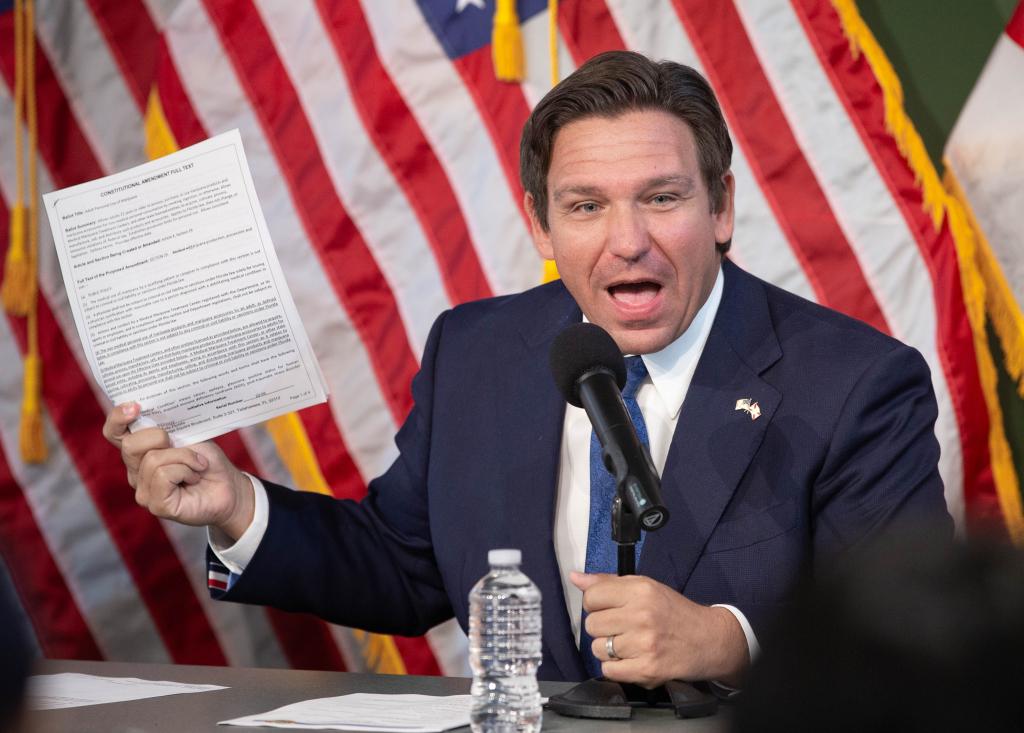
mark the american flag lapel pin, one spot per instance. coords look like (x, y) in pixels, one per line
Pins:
(749, 406)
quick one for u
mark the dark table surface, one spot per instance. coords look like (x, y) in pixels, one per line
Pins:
(253, 691)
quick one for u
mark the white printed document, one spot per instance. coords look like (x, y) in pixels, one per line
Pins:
(364, 711)
(72, 690)
(178, 295)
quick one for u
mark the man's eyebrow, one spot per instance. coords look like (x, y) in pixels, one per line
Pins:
(683, 181)
(561, 193)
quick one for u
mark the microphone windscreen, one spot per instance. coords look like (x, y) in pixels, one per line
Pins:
(581, 348)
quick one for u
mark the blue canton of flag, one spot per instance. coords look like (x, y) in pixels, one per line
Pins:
(463, 26)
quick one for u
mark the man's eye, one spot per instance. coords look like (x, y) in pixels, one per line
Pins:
(587, 207)
(662, 198)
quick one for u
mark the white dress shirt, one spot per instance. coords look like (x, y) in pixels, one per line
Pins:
(660, 398)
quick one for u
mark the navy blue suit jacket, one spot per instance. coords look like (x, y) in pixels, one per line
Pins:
(844, 447)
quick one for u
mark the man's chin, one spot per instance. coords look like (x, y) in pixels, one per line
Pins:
(639, 340)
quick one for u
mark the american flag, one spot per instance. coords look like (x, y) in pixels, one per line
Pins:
(385, 154)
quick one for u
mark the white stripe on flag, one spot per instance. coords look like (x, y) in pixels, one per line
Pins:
(362, 180)
(92, 82)
(451, 122)
(537, 50)
(161, 10)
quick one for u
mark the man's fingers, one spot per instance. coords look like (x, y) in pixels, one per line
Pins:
(583, 581)
(136, 445)
(118, 420)
(636, 671)
(155, 460)
(607, 621)
(601, 591)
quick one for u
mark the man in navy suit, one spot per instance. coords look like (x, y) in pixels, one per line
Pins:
(785, 433)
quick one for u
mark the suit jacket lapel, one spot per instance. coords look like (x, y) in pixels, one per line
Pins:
(714, 441)
(532, 434)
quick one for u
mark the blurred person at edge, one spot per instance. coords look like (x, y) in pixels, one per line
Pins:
(912, 635)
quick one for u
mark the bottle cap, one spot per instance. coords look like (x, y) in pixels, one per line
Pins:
(504, 557)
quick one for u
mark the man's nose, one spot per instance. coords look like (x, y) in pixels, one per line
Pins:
(628, 236)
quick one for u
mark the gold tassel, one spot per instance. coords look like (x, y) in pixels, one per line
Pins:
(553, 40)
(33, 444)
(507, 43)
(17, 289)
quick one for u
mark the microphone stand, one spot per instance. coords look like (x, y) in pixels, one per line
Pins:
(605, 699)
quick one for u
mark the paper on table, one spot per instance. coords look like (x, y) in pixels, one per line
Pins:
(178, 296)
(72, 690)
(364, 711)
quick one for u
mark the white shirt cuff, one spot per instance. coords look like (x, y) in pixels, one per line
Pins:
(752, 646)
(238, 555)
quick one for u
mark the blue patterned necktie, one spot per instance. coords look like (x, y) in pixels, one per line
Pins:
(602, 553)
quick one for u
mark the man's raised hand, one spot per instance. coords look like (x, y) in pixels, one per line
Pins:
(197, 485)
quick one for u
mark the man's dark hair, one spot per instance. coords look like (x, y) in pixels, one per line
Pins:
(611, 84)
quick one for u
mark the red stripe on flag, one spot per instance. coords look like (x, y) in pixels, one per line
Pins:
(132, 37)
(346, 259)
(857, 87)
(336, 464)
(588, 29)
(305, 639)
(503, 110)
(59, 625)
(138, 535)
(61, 142)
(402, 144)
(1015, 28)
(783, 173)
(177, 107)
(417, 655)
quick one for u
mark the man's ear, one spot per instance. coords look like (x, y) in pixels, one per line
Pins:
(725, 217)
(541, 238)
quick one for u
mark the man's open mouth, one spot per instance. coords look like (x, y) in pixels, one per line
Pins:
(635, 293)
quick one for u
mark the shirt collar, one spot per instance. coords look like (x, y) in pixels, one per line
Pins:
(672, 368)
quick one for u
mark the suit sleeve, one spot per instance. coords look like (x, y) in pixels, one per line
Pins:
(367, 564)
(881, 469)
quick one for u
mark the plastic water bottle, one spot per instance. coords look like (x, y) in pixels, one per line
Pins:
(504, 648)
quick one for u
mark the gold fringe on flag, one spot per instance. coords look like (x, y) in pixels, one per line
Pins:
(897, 122)
(16, 290)
(940, 204)
(507, 43)
(19, 287)
(553, 41)
(1000, 305)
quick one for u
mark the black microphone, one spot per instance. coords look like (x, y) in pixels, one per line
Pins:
(590, 372)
